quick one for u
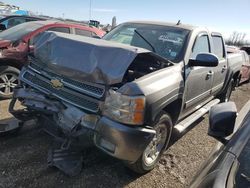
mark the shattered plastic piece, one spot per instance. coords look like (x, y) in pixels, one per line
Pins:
(70, 160)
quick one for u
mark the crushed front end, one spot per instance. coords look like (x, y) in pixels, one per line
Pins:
(74, 109)
(73, 112)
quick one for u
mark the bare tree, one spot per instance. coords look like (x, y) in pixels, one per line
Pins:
(236, 39)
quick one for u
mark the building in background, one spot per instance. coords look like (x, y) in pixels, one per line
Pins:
(6, 9)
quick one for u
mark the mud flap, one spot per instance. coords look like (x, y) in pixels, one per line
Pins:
(67, 159)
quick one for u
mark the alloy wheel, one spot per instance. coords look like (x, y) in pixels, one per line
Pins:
(155, 147)
(8, 81)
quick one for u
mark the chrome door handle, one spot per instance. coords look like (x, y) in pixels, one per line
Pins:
(210, 74)
(224, 68)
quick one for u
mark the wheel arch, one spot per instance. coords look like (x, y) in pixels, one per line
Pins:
(172, 107)
(11, 63)
(236, 74)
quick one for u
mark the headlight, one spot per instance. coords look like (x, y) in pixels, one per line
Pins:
(124, 109)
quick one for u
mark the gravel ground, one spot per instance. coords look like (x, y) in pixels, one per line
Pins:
(23, 159)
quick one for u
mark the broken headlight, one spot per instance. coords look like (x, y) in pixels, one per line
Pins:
(124, 109)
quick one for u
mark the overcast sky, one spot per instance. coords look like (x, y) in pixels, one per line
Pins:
(224, 15)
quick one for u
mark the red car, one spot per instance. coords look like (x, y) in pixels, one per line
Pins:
(15, 44)
(245, 71)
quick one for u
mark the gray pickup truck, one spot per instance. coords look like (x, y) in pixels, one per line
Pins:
(126, 93)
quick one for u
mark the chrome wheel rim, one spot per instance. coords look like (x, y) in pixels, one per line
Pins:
(8, 81)
(156, 145)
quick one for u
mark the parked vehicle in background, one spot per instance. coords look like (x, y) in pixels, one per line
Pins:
(241, 69)
(246, 48)
(8, 21)
(245, 71)
(232, 49)
(126, 93)
(228, 164)
(235, 61)
(16, 42)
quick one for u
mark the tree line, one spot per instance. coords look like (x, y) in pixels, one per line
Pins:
(237, 39)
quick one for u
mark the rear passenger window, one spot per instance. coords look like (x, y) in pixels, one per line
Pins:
(218, 47)
(201, 46)
(83, 32)
(60, 29)
(13, 22)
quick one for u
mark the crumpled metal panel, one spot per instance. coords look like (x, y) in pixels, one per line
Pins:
(82, 58)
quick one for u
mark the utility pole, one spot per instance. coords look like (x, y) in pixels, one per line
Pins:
(90, 9)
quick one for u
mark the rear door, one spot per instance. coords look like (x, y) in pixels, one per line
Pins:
(198, 79)
(220, 71)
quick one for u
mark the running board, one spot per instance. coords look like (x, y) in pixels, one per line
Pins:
(184, 124)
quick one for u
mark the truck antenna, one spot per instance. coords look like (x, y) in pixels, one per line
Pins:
(179, 22)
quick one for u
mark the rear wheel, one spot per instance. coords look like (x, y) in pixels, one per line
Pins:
(8, 81)
(156, 147)
(225, 96)
(237, 83)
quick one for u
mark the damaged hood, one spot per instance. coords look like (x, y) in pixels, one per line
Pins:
(82, 58)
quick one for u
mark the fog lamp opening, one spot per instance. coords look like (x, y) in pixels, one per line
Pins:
(107, 145)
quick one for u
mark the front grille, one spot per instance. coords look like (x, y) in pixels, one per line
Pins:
(66, 94)
(94, 90)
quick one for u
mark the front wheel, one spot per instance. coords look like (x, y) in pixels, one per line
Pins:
(156, 147)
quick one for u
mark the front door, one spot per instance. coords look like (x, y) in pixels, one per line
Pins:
(199, 80)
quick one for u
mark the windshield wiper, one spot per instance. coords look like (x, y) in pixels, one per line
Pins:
(153, 49)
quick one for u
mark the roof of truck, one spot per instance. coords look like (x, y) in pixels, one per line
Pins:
(180, 25)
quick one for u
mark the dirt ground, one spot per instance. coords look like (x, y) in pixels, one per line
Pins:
(23, 159)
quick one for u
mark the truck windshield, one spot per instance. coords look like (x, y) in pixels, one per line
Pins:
(165, 41)
(17, 32)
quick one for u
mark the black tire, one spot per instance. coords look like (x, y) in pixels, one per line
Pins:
(163, 123)
(225, 96)
(237, 83)
(8, 80)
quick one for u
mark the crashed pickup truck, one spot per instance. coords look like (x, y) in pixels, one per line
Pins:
(126, 93)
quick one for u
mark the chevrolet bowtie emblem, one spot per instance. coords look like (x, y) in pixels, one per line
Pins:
(56, 83)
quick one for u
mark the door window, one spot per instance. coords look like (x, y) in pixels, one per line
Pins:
(218, 47)
(13, 22)
(201, 46)
(83, 32)
(60, 29)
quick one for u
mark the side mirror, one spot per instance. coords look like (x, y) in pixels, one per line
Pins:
(222, 120)
(2, 27)
(204, 60)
